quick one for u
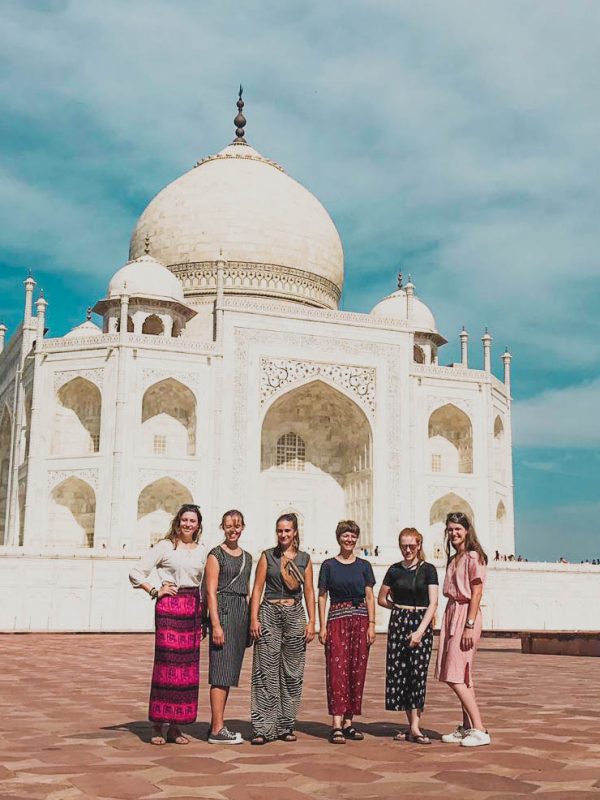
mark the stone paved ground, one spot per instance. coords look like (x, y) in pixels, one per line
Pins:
(73, 710)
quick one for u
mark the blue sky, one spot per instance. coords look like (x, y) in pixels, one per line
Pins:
(459, 142)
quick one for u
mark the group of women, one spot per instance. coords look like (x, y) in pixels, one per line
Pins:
(200, 590)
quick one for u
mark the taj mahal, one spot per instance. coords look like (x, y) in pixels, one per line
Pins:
(220, 371)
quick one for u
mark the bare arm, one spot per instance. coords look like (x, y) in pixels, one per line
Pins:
(260, 578)
(383, 597)
(309, 599)
(466, 641)
(140, 572)
(416, 636)
(211, 583)
(322, 617)
(370, 600)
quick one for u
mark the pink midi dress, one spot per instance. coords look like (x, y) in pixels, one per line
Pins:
(455, 665)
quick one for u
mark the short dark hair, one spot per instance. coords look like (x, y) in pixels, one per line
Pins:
(346, 526)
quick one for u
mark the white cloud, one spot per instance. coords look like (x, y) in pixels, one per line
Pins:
(565, 417)
(461, 147)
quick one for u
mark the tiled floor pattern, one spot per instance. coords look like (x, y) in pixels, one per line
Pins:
(74, 708)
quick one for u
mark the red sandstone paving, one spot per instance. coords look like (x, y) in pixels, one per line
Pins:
(75, 708)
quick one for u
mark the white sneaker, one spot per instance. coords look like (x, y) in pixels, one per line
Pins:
(475, 738)
(456, 737)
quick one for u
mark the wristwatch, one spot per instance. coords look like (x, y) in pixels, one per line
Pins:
(470, 623)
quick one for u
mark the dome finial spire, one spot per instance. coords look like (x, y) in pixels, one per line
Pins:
(240, 120)
(400, 280)
(147, 245)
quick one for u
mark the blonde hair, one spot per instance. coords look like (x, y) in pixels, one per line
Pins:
(414, 533)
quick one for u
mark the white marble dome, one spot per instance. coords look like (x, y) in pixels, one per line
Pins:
(394, 307)
(244, 205)
(83, 331)
(145, 277)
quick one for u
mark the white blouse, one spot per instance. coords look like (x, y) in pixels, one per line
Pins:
(180, 566)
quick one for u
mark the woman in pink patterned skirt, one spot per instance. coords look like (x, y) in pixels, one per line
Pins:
(179, 560)
(461, 626)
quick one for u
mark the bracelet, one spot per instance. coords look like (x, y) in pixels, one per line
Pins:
(371, 622)
(153, 593)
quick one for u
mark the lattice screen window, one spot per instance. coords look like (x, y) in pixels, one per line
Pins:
(94, 442)
(436, 462)
(160, 445)
(291, 452)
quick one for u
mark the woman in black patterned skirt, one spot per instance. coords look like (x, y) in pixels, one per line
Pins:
(227, 582)
(410, 591)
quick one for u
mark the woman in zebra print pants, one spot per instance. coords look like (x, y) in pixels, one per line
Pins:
(280, 631)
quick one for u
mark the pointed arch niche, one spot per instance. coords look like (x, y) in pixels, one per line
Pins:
(500, 525)
(5, 428)
(76, 430)
(437, 520)
(72, 516)
(157, 505)
(169, 419)
(316, 457)
(499, 449)
(450, 441)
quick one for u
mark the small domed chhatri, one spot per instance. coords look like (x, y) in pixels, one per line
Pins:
(279, 241)
(145, 276)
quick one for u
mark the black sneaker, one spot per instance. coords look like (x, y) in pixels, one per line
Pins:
(224, 736)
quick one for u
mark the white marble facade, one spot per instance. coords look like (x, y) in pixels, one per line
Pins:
(221, 372)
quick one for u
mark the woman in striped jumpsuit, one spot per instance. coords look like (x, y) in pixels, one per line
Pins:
(280, 631)
(227, 582)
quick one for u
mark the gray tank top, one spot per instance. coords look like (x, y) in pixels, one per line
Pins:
(275, 588)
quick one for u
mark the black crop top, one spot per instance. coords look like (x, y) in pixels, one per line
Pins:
(408, 587)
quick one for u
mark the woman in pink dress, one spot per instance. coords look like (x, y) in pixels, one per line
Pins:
(461, 626)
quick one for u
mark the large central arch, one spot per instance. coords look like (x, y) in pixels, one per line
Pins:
(316, 457)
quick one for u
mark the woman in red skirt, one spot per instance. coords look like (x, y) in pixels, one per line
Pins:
(179, 560)
(348, 632)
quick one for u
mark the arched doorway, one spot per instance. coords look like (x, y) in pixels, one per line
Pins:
(169, 419)
(72, 514)
(316, 458)
(77, 419)
(157, 505)
(437, 519)
(153, 325)
(450, 441)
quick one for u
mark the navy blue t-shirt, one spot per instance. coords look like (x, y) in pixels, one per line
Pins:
(345, 582)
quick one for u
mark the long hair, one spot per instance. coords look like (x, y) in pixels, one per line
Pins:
(416, 535)
(233, 512)
(471, 540)
(173, 533)
(347, 526)
(291, 517)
